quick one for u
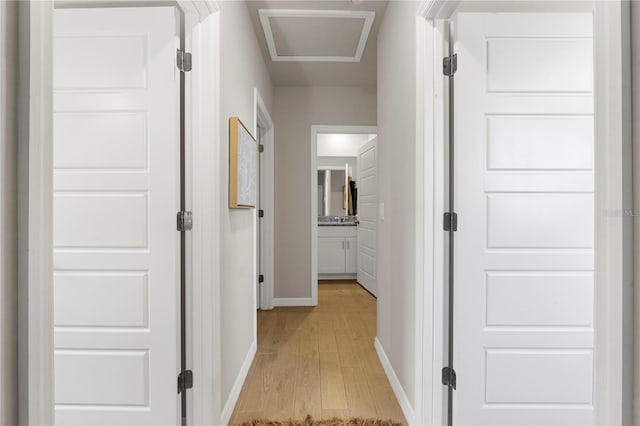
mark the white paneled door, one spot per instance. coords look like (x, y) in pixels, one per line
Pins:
(367, 215)
(524, 318)
(116, 194)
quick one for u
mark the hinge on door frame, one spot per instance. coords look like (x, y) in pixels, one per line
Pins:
(184, 221)
(183, 61)
(185, 380)
(260, 278)
(449, 377)
(260, 147)
(450, 222)
(260, 213)
(450, 65)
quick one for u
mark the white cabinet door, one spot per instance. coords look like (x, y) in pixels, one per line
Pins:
(116, 194)
(367, 215)
(524, 319)
(351, 255)
(331, 258)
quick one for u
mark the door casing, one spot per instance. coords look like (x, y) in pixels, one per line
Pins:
(613, 241)
(262, 119)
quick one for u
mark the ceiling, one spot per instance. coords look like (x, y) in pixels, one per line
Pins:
(318, 43)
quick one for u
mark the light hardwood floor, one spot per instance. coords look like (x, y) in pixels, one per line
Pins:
(319, 361)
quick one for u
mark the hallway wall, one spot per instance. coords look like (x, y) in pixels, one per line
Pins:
(295, 110)
(635, 83)
(8, 215)
(242, 69)
(397, 190)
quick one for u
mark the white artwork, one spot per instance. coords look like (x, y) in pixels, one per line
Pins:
(243, 166)
(247, 168)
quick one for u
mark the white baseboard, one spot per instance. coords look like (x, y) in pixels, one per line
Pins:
(407, 409)
(337, 276)
(227, 411)
(293, 301)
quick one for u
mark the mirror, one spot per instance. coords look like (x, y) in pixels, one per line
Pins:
(336, 190)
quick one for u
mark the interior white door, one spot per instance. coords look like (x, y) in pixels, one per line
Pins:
(367, 215)
(116, 194)
(524, 145)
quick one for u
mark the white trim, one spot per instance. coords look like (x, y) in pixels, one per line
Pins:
(423, 192)
(438, 9)
(227, 411)
(265, 14)
(203, 85)
(263, 119)
(35, 213)
(398, 390)
(329, 277)
(613, 227)
(294, 301)
(315, 131)
(612, 247)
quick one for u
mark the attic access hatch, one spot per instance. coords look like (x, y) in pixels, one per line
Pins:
(316, 35)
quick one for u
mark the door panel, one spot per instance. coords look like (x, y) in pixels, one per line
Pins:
(367, 215)
(523, 346)
(116, 193)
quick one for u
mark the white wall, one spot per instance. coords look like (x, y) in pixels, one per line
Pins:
(295, 110)
(242, 69)
(8, 216)
(635, 82)
(397, 186)
(340, 145)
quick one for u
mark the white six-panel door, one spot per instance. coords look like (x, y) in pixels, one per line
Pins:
(116, 194)
(524, 318)
(367, 215)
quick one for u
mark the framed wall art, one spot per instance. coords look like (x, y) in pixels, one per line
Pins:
(243, 166)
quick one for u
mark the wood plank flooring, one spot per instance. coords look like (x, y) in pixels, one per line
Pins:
(319, 361)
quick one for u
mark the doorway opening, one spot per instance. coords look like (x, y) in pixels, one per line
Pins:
(343, 205)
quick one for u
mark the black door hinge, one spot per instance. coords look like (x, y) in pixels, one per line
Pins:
(450, 221)
(450, 65)
(449, 377)
(183, 61)
(260, 213)
(184, 221)
(260, 147)
(260, 278)
(185, 380)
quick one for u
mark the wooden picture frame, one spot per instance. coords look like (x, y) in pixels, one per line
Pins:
(243, 166)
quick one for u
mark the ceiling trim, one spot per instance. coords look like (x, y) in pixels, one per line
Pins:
(265, 14)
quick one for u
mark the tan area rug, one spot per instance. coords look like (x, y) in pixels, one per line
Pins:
(354, 421)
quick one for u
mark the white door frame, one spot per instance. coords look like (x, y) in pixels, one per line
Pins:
(613, 232)
(315, 131)
(35, 229)
(263, 119)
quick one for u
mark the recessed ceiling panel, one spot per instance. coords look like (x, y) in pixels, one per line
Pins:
(299, 36)
(316, 35)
